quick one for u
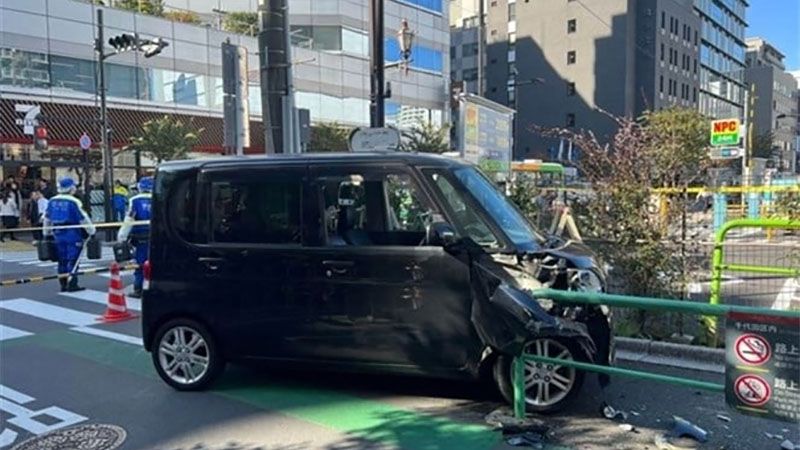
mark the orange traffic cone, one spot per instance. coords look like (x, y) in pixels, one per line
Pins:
(117, 309)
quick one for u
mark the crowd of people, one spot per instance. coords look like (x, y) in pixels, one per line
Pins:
(14, 209)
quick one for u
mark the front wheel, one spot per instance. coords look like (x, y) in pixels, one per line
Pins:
(548, 387)
(186, 356)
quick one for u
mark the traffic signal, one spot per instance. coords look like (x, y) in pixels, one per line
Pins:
(40, 138)
(152, 47)
(124, 42)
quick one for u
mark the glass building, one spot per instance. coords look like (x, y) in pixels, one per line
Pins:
(46, 55)
(722, 57)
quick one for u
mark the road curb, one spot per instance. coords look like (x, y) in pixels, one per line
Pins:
(670, 354)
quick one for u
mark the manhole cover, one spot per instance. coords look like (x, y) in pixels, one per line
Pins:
(81, 437)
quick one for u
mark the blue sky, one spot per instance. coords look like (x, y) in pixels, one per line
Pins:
(777, 21)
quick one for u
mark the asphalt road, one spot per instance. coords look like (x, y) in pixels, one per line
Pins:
(59, 367)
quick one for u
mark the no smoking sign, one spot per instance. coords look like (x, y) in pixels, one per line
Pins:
(752, 390)
(752, 349)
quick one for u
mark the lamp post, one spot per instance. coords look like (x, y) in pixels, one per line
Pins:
(405, 37)
(121, 43)
(378, 91)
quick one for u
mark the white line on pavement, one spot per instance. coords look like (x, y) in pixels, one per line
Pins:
(7, 333)
(109, 335)
(14, 396)
(101, 298)
(48, 312)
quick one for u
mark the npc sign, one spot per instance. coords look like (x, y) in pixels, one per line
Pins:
(762, 375)
(725, 132)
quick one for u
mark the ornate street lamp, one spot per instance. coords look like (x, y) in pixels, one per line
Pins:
(405, 37)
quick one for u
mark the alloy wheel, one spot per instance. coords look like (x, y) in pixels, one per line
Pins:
(183, 355)
(547, 384)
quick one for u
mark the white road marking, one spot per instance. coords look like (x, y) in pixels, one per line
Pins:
(101, 298)
(109, 335)
(49, 312)
(789, 291)
(14, 396)
(7, 333)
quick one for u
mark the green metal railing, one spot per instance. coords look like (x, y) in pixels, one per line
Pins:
(645, 303)
(717, 258)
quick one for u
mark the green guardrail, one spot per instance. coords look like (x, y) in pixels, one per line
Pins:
(717, 258)
(624, 301)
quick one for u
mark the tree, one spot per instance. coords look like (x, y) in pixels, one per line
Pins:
(328, 137)
(183, 16)
(425, 137)
(763, 145)
(150, 7)
(679, 138)
(165, 139)
(241, 22)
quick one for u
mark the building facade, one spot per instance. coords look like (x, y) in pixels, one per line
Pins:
(47, 59)
(775, 105)
(570, 64)
(722, 57)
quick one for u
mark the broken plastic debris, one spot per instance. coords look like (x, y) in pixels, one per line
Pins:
(534, 440)
(788, 445)
(723, 418)
(626, 427)
(684, 428)
(769, 435)
(635, 414)
(610, 413)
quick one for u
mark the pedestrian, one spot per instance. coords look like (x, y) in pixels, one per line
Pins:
(9, 213)
(138, 210)
(45, 188)
(120, 201)
(36, 210)
(64, 210)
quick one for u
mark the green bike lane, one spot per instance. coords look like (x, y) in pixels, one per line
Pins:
(112, 382)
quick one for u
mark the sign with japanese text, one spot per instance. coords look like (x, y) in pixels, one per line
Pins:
(485, 134)
(725, 132)
(762, 374)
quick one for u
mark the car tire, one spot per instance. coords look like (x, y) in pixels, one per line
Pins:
(535, 403)
(186, 355)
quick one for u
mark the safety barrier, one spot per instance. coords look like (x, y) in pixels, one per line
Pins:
(36, 279)
(717, 258)
(67, 227)
(644, 303)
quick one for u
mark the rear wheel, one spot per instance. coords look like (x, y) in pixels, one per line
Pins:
(186, 356)
(548, 387)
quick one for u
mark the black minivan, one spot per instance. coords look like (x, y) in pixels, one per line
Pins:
(392, 263)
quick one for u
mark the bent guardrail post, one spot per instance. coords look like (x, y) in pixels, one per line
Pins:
(625, 301)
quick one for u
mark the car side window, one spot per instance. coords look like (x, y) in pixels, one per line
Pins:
(182, 211)
(256, 212)
(367, 208)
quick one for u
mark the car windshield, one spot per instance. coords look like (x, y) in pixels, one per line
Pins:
(499, 208)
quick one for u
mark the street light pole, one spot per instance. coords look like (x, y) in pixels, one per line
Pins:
(108, 157)
(377, 95)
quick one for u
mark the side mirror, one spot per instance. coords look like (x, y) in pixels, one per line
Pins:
(441, 233)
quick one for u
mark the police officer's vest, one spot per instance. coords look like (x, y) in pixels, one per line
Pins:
(65, 210)
(140, 210)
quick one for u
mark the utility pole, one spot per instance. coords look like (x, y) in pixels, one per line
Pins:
(749, 109)
(108, 157)
(275, 66)
(377, 95)
(481, 45)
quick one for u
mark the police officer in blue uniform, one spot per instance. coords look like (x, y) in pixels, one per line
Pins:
(65, 209)
(138, 210)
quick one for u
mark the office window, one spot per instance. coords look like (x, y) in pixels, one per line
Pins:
(663, 19)
(695, 66)
(512, 11)
(261, 212)
(453, 52)
(469, 49)
(571, 57)
(570, 88)
(512, 94)
(572, 25)
(662, 51)
(694, 95)
(570, 122)
(661, 83)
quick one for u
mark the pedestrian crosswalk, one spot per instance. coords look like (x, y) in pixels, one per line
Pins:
(79, 311)
(31, 259)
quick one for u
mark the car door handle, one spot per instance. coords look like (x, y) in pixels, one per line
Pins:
(212, 263)
(337, 267)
